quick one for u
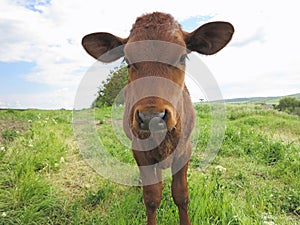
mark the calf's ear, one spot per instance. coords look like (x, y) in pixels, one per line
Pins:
(209, 38)
(104, 47)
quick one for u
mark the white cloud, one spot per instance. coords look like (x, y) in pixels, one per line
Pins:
(265, 40)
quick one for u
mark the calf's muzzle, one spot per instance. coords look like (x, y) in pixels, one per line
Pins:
(150, 120)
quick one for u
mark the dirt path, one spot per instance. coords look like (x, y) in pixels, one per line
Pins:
(74, 177)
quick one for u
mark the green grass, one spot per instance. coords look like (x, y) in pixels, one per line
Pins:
(253, 180)
(26, 196)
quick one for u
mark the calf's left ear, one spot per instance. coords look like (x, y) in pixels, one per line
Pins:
(209, 38)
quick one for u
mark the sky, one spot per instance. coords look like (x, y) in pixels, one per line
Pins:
(42, 61)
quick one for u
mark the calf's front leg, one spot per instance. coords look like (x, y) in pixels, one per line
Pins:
(152, 198)
(152, 193)
(152, 185)
(180, 194)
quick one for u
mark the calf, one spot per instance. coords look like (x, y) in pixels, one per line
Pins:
(159, 116)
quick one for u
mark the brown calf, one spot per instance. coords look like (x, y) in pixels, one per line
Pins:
(159, 116)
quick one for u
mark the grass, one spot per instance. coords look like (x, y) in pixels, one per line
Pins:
(253, 180)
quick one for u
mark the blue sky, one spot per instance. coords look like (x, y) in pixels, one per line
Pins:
(11, 74)
(33, 5)
(13, 78)
(42, 61)
(191, 23)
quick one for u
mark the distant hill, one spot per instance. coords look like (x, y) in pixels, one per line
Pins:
(267, 100)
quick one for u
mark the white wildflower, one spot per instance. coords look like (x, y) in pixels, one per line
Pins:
(268, 220)
(2, 149)
(30, 143)
(62, 160)
(4, 214)
(220, 168)
(269, 223)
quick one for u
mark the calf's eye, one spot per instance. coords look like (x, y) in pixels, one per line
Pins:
(182, 59)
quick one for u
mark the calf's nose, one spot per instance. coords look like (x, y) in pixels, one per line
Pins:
(152, 121)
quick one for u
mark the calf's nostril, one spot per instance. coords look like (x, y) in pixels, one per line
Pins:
(152, 120)
(165, 116)
(140, 116)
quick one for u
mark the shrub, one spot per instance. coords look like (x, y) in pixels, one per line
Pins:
(289, 105)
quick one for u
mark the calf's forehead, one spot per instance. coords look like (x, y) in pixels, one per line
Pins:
(163, 32)
(155, 37)
(154, 50)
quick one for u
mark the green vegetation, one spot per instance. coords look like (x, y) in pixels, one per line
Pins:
(253, 180)
(289, 105)
(117, 79)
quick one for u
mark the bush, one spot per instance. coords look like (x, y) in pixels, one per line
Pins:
(289, 105)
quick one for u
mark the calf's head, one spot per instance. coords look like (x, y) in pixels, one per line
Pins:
(156, 52)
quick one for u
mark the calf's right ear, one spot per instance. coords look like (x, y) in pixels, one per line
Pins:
(104, 47)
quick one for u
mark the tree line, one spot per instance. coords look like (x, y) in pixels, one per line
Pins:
(111, 87)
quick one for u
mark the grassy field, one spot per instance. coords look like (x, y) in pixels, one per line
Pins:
(253, 180)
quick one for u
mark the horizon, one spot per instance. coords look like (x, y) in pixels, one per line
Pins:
(194, 102)
(42, 61)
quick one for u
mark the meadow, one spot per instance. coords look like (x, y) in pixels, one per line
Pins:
(253, 180)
